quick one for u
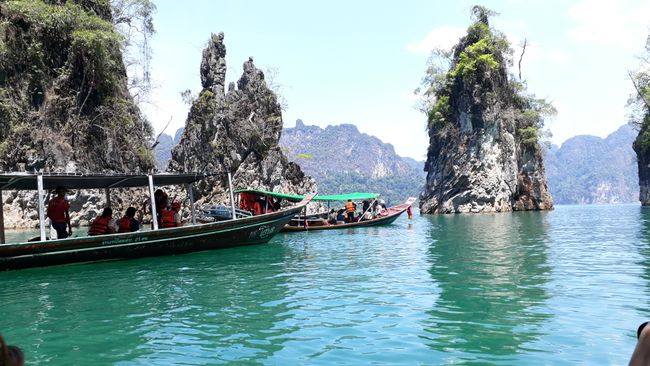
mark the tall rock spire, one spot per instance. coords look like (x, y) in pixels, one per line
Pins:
(484, 154)
(236, 132)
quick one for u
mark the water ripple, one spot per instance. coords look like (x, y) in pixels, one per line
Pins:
(565, 287)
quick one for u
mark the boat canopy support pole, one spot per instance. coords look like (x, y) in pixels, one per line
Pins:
(2, 220)
(190, 194)
(107, 193)
(232, 196)
(154, 218)
(41, 208)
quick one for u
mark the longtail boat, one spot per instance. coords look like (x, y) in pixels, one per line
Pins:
(320, 221)
(177, 240)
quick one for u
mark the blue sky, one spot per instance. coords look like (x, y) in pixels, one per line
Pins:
(359, 61)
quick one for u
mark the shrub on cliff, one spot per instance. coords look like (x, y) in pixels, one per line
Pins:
(470, 77)
(63, 86)
(640, 103)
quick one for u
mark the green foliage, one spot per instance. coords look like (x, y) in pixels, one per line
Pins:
(68, 54)
(478, 57)
(640, 103)
(440, 113)
(474, 78)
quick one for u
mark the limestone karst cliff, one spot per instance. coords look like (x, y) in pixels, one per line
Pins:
(64, 101)
(641, 118)
(235, 131)
(484, 154)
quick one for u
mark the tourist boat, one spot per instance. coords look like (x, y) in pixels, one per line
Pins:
(190, 238)
(319, 221)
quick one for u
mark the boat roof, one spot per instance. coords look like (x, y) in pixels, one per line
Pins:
(28, 181)
(355, 196)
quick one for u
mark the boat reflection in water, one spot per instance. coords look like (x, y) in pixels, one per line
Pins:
(491, 271)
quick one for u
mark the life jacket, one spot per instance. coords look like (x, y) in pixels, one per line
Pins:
(349, 207)
(125, 224)
(168, 219)
(100, 226)
(257, 209)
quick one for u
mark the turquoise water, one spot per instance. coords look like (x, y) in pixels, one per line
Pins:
(560, 288)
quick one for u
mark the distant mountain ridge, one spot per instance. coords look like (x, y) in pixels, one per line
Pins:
(342, 159)
(592, 170)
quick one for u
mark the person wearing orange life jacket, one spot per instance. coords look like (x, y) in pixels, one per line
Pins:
(170, 216)
(128, 223)
(102, 224)
(350, 208)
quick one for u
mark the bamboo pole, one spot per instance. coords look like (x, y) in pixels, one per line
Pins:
(232, 197)
(2, 220)
(190, 193)
(154, 217)
(41, 208)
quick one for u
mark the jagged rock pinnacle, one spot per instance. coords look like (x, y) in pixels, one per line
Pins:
(213, 65)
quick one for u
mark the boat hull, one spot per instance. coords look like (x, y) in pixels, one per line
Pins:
(393, 214)
(223, 234)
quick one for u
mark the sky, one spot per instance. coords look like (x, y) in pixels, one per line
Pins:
(360, 61)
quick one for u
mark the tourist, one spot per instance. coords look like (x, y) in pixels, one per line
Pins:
(128, 223)
(161, 199)
(377, 209)
(331, 218)
(57, 212)
(102, 224)
(10, 355)
(340, 217)
(366, 205)
(171, 216)
(350, 208)
(641, 354)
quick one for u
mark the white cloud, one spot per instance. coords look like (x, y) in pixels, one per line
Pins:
(611, 23)
(444, 37)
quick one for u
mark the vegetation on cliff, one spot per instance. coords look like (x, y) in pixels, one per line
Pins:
(640, 103)
(64, 98)
(479, 63)
(484, 128)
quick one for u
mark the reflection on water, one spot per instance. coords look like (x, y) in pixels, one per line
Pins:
(491, 271)
(560, 288)
(140, 310)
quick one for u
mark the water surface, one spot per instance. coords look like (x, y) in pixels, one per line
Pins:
(565, 287)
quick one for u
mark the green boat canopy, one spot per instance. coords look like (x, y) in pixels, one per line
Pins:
(356, 196)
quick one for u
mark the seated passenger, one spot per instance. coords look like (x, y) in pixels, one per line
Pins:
(340, 216)
(170, 216)
(102, 224)
(376, 208)
(128, 223)
(331, 217)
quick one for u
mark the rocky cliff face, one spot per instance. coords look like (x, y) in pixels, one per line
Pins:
(483, 155)
(235, 131)
(643, 160)
(64, 103)
(593, 170)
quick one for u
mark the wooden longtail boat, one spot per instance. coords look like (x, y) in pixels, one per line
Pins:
(319, 221)
(195, 237)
